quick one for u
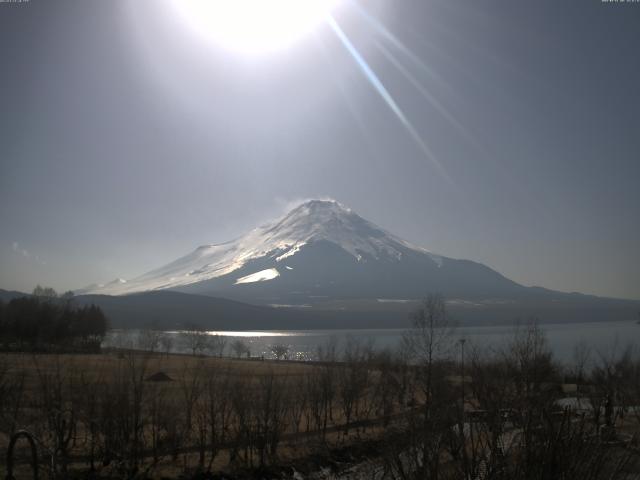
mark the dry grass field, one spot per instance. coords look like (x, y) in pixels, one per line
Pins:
(171, 413)
(133, 414)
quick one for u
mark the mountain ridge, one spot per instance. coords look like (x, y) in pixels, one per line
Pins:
(315, 223)
(167, 310)
(322, 255)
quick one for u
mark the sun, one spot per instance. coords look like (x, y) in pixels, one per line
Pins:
(254, 26)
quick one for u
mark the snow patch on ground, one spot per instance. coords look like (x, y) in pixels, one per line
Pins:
(292, 251)
(286, 305)
(261, 276)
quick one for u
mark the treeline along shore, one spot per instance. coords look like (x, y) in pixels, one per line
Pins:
(48, 322)
(435, 408)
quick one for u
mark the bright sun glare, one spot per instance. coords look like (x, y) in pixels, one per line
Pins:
(254, 26)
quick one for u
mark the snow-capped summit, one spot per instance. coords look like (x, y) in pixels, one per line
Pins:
(319, 249)
(328, 220)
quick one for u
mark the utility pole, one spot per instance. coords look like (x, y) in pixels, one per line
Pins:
(462, 342)
(462, 433)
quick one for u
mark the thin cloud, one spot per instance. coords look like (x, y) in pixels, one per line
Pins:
(15, 246)
(284, 206)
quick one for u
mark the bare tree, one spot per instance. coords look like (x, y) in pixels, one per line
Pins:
(386, 386)
(428, 427)
(580, 361)
(156, 405)
(55, 384)
(217, 409)
(280, 351)
(328, 386)
(190, 384)
(136, 370)
(242, 427)
(532, 373)
(431, 332)
(240, 348)
(314, 395)
(149, 340)
(352, 380)
(45, 293)
(166, 343)
(87, 398)
(298, 401)
(121, 411)
(12, 397)
(121, 339)
(611, 380)
(195, 339)
(635, 388)
(216, 345)
(270, 415)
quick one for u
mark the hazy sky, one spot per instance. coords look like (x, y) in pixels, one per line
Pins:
(126, 139)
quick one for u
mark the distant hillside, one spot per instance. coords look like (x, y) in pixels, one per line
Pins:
(8, 295)
(174, 310)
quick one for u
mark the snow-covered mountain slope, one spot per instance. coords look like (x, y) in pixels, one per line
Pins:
(320, 249)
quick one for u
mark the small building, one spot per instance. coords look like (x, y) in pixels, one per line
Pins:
(159, 377)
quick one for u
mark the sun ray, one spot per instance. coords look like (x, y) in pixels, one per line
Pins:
(377, 84)
(428, 96)
(396, 43)
(338, 81)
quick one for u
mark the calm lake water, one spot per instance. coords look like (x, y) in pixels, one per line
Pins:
(600, 337)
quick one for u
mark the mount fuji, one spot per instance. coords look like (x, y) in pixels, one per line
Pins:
(324, 266)
(320, 251)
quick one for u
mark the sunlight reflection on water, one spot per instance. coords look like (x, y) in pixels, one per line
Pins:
(601, 337)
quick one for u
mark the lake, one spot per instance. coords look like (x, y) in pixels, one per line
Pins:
(600, 337)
